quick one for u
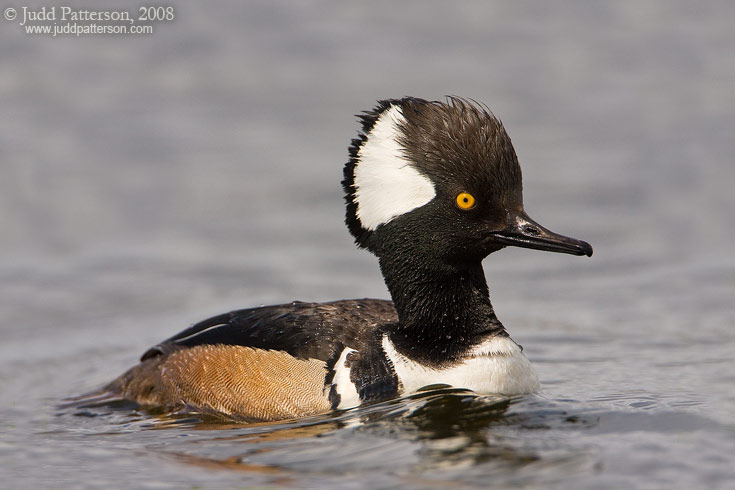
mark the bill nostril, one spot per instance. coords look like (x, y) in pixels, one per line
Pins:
(531, 230)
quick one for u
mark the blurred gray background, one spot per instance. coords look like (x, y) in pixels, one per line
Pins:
(236, 117)
(148, 181)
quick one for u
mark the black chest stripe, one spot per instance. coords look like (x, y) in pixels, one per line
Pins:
(372, 372)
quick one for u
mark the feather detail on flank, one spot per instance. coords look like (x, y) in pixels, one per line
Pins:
(386, 183)
(497, 366)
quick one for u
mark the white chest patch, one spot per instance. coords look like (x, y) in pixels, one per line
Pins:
(342, 384)
(386, 184)
(494, 367)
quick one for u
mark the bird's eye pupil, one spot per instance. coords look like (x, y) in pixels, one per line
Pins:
(465, 200)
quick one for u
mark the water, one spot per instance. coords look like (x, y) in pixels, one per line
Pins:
(148, 182)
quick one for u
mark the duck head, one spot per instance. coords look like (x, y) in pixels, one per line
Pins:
(440, 179)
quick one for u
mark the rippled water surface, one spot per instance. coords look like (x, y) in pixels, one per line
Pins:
(148, 182)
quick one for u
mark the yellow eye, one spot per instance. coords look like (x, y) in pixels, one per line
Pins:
(465, 200)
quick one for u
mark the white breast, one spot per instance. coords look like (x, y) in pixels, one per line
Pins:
(496, 366)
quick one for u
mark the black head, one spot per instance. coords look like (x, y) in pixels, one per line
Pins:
(443, 177)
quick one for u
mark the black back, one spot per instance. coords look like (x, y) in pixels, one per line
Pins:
(303, 330)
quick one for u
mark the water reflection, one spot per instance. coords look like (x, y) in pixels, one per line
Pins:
(443, 428)
(443, 434)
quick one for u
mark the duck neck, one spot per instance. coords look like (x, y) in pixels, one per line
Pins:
(443, 310)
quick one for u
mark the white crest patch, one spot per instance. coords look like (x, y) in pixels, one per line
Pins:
(386, 184)
(345, 388)
(496, 366)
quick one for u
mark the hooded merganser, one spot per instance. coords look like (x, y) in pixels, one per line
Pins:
(432, 188)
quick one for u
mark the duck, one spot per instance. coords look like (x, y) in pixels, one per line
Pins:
(431, 189)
